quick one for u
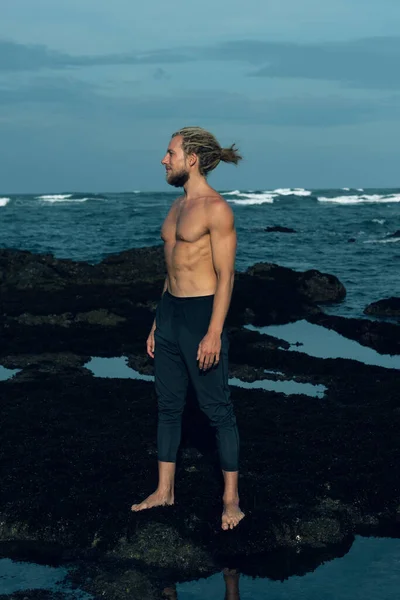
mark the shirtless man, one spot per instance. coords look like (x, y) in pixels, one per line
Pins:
(188, 338)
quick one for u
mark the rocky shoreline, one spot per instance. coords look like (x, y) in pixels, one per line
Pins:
(78, 450)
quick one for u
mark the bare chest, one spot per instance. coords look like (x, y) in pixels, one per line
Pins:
(186, 225)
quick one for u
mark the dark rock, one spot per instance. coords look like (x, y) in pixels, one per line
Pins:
(316, 286)
(78, 300)
(321, 288)
(77, 451)
(389, 307)
(280, 229)
(264, 289)
(97, 455)
(396, 234)
(36, 595)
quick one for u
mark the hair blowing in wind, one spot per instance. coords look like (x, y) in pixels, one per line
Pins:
(198, 141)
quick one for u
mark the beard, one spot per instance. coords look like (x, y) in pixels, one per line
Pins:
(178, 179)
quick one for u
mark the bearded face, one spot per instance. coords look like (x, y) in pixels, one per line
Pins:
(177, 178)
(175, 163)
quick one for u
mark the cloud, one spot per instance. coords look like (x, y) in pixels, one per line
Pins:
(367, 63)
(22, 57)
(80, 99)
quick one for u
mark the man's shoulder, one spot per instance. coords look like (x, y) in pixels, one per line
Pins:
(216, 200)
(217, 203)
(219, 212)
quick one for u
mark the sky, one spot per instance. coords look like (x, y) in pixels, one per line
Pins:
(91, 91)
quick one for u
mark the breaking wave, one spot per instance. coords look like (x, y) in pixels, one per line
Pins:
(253, 199)
(54, 197)
(362, 199)
(66, 198)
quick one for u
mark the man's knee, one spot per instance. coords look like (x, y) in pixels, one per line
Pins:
(170, 415)
(222, 416)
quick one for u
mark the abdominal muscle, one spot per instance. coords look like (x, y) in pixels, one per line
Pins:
(190, 268)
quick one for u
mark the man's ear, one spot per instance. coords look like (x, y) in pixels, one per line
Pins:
(192, 159)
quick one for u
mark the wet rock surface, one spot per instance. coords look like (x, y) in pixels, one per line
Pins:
(388, 307)
(35, 595)
(279, 229)
(78, 450)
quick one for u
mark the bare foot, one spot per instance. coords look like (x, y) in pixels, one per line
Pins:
(156, 499)
(232, 515)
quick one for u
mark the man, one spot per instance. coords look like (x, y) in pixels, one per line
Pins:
(188, 338)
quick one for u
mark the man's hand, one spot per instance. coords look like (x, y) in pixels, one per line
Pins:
(209, 350)
(151, 343)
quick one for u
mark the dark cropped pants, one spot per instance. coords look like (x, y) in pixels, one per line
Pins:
(181, 323)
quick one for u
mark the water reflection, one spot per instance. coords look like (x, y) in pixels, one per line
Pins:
(321, 342)
(16, 576)
(370, 569)
(7, 373)
(117, 367)
(231, 591)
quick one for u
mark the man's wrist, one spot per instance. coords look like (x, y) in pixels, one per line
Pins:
(215, 330)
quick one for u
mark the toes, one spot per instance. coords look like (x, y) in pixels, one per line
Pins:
(137, 507)
(231, 523)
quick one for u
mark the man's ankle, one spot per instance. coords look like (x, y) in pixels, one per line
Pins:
(166, 489)
(230, 498)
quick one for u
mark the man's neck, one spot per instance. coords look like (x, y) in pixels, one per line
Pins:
(196, 186)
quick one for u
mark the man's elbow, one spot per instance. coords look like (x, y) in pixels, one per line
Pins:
(226, 276)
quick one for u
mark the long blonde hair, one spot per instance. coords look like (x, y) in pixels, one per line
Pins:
(196, 140)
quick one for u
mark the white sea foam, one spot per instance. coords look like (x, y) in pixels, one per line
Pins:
(234, 193)
(4, 201)
(270, 193)
(387, 241)
(390, 241)
(54, 197)
(292, 192)
(363, 199)
(53, 200)
(346, 189)
(380, 221)
(248, 199)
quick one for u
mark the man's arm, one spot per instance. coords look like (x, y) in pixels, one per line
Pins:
(223, 247)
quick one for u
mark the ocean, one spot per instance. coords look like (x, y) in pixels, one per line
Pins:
(345, 232)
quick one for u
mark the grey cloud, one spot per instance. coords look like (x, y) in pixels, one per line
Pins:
(78, 99)
(366, 63)
(21, 57)
(371, 63)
